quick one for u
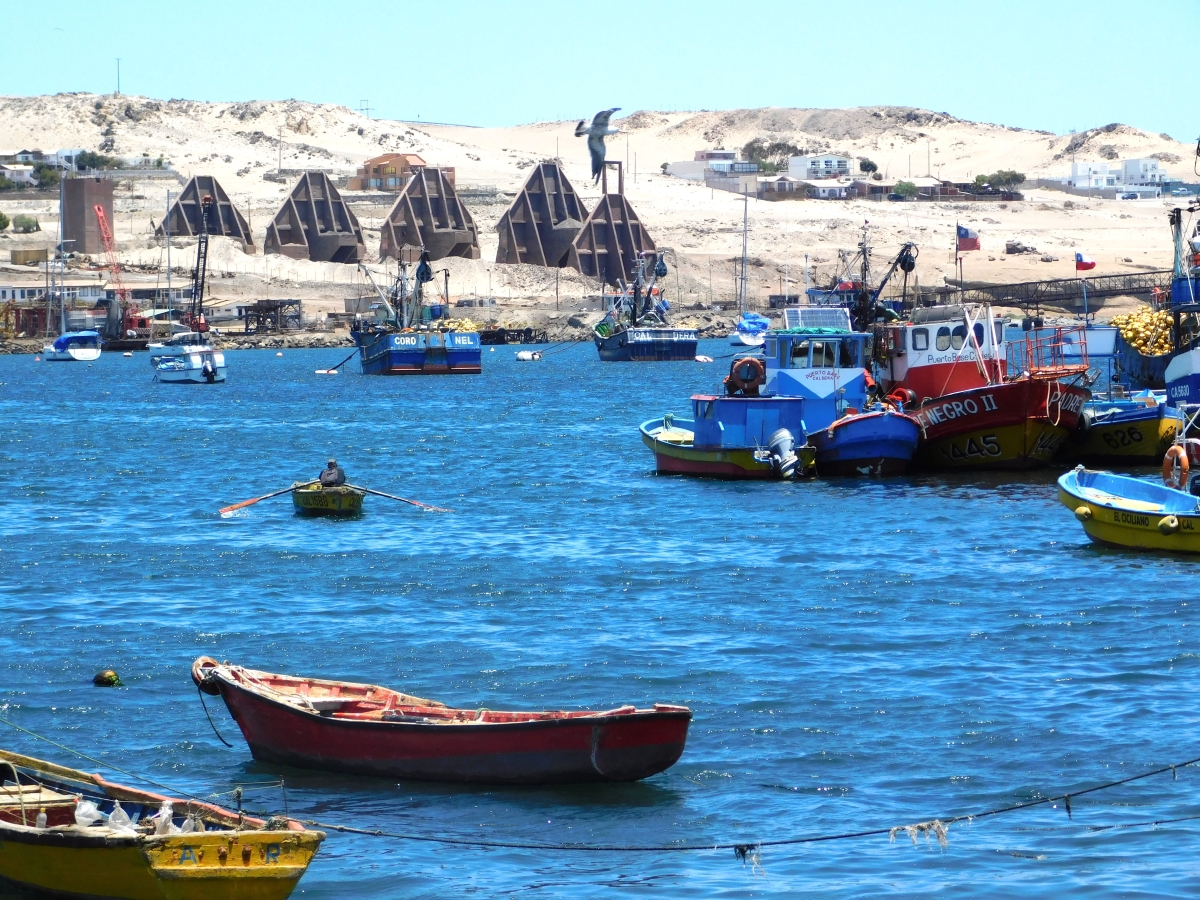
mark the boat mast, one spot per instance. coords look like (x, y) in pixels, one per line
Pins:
(167, 232)
(62, 236)
(745, 247)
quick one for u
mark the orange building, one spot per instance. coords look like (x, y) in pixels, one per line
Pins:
(389, 172)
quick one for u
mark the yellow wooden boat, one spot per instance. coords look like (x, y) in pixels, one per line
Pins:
(1128, 512)
(196, 852)
(314, 499)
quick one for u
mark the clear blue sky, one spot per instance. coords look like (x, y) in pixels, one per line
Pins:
(1053, 64)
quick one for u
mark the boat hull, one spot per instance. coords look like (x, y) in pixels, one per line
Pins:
(232, 855)
(1127, 512)
(419, 353)
(647, 345)
(328, 501)
(1011, 425)
(1125, 432)
(598, 748)
(676, 457)
(175, 867)
(873, 443)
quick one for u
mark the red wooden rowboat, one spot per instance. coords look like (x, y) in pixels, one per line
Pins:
(368, 730)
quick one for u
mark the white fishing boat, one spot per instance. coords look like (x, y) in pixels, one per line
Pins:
(78, 346)
(187, 357)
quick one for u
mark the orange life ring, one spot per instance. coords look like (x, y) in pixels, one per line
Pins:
(747, 374)
(1176, 452)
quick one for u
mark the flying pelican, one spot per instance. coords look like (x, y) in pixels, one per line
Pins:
(596, 133)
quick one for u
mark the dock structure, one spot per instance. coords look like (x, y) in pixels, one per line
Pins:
(186, 219)
(271, 316)
(314, 223)
(1067, 293)
(612, 238)
(542, 221)
(429, 214)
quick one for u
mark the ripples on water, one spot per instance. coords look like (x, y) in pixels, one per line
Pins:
(857, 654)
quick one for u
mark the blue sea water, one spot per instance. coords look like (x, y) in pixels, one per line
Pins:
(858, 654)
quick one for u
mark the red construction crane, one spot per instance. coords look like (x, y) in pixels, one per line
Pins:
(128, 308)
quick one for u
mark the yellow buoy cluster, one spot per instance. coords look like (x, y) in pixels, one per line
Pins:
(458, 325)
(1147, 330)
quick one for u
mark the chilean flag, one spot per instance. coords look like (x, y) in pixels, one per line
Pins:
(967, 239)
(1083, 263)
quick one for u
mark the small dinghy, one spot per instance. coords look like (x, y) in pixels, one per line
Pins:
(342, 726)
(1129, 512)
(64, 833)
(315, 499)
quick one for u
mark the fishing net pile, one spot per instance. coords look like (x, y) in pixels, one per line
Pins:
(1147, 330)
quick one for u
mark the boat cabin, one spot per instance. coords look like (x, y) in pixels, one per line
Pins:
(942, 350)
(825, 366)
(739, 422)
(187, 339)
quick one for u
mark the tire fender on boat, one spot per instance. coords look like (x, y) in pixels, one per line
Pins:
(1176, 452)
(204, 676)
(1084, 425)
(1168, 524)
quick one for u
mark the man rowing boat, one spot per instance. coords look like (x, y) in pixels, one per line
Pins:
(332, 475)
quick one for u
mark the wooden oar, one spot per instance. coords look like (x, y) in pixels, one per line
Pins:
(245, 503)
(401, 499)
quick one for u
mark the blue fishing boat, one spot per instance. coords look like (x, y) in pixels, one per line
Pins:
(854, 428)
(393, 340)
(635, 328)
(733, 437)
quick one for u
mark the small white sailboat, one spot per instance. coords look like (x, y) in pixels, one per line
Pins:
(78, 346)
(187, 357)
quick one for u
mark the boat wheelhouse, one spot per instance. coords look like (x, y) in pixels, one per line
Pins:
(821, 361)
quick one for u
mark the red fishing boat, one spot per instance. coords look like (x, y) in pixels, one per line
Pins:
(950, 367)
(364, 729)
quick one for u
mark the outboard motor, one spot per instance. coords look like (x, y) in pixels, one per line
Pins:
(782, 446)
(209, 371)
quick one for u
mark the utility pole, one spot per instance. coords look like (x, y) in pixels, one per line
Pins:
(118, 76)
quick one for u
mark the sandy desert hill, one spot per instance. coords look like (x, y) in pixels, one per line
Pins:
(240, 142)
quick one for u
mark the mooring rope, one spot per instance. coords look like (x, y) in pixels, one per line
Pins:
(744, 849)
(936, 827)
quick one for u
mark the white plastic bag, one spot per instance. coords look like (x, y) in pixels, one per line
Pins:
(86, 812)
(118, 818)
(165, 814)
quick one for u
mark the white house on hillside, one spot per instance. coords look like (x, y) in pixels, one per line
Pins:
(829, 165)
(1141, 171)
(17, 174)
(1091, 175)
